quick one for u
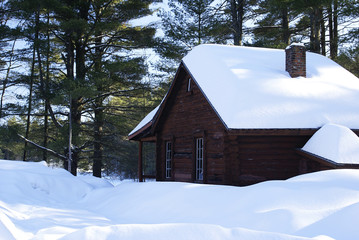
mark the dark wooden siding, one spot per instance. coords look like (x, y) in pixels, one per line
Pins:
(253, 159)
(185, 117)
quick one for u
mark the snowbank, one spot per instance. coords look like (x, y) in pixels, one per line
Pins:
(175, 232)
(336, 143)
(38, 182)
(37, 202)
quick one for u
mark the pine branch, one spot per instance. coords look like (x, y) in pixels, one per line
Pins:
(118, 93)
(43, 148)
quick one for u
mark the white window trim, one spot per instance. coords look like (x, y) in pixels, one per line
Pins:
(199, 159)
(168, 159)
(189, 87)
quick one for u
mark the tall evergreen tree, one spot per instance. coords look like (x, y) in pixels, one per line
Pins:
(238, 12)
(185, 25)
(325, 17)
(274, 28)
(349, 56)
(29, 13)
(82, 55)
(8, 39)
(284, 21)
(94, 33)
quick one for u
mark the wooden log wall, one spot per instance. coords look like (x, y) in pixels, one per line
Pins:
(253, 159)
(187, 115)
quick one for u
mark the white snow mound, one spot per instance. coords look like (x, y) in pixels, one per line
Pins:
(336, 143)
(38, 202)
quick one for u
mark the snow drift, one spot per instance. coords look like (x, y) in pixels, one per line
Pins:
(336, 143)
(38, 202)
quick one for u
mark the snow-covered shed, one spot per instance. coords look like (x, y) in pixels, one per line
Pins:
(238, 115)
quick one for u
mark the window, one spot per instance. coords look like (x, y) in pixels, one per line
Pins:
(199, 159)
(168, 159)
(189, 87)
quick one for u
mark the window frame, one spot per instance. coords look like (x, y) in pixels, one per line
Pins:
(189, 84)
(199, 159)
(168, 159)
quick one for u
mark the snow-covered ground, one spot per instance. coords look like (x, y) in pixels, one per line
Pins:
(38, 202)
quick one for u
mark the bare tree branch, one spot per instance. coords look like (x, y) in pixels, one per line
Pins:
(43, 148)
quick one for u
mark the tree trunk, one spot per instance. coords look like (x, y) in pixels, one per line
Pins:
(315, 30)
(37, 20)
(42, 89)
(237, 13)
(29, 107)
(333, 29)
(322, 33)
(46, 91)
(75, 123)
(76, 105)
(98, 147)
(46, 129)
(76, 47)
(330, 26)
(4, 86)
(69, 60)
(285, 26)
(199, 23)
(99, 114)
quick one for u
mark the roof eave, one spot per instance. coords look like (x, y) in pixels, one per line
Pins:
(135, 135)
(325, 161)
(276, 131)
(272, 131)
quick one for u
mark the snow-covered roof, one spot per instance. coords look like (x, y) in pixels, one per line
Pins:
(336, 143)
(148, 119)
(249, 88)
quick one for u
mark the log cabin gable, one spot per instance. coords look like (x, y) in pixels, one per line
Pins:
(188, 122)
(182, 76)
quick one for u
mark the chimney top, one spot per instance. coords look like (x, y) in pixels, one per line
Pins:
(295, 63)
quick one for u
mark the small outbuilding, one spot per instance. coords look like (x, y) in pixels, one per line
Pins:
(241, 115)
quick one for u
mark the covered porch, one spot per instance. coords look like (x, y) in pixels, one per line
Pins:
(146, 159)
(143, 134)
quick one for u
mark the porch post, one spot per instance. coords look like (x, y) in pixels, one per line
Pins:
(140, 176)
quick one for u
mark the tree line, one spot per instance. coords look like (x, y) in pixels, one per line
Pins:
(328, 27)
(76, 75)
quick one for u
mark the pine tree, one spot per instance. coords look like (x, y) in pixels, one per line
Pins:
(349, 57)
(284, 21)
(8, 40)
(274, 27)
(81, 56)
(238, 12)
(28, 11)
(187, 24)
(94, 34)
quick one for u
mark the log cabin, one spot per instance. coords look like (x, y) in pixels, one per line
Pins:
(241, 115)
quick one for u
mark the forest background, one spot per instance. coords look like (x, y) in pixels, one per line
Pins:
(76, 76)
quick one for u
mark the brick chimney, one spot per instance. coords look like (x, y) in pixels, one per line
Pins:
(295, 60)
